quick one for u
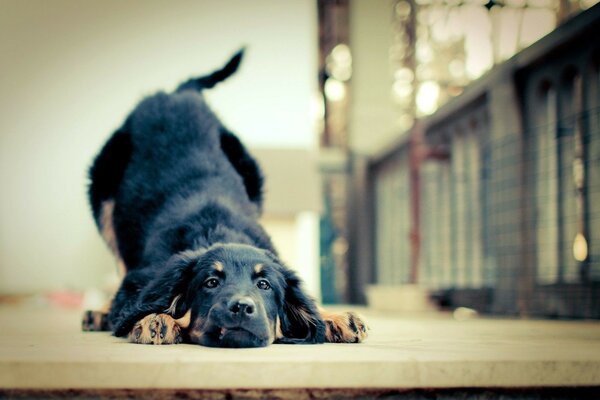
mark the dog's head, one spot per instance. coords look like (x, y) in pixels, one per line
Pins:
(235, 295)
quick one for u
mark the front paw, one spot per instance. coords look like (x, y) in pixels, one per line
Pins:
(94, 321)
(346, 327)
(156, 329)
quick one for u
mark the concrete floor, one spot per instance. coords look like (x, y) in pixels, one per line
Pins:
(43, 348)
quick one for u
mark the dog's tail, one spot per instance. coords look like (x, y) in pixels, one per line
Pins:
(209, 81)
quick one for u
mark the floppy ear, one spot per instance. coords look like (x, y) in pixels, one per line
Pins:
(159, 292)
(301, 323)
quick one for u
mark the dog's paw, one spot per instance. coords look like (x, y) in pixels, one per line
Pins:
(345, 327)
(156, 329)
(95, 321)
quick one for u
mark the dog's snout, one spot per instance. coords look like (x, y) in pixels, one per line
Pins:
(243, 306)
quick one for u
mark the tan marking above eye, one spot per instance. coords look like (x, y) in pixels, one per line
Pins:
(258, 268)
(218, 265)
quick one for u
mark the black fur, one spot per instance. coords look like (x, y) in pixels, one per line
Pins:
(108, 169)
(209, 81)
(181, 184)
(245, 165)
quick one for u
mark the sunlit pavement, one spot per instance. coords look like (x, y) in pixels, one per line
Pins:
(43, 347)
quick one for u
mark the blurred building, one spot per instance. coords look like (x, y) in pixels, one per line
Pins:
(435, 168)
(292, 208)
(490, 201)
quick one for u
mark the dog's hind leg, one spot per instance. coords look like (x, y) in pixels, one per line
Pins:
(105, 178)
(109, 235)
(97, 320)
(107, 171)
(94, 321)
(245, 165)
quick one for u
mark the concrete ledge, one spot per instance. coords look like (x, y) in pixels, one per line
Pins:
(44, 349)
(554, 393)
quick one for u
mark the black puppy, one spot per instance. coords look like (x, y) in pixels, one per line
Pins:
(177, 197)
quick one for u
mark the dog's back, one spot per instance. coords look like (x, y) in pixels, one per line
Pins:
(171, 159)
(176, 168)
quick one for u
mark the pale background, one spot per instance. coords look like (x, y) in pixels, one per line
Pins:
(72, 70)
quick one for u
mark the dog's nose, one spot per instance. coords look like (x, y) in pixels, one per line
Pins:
(243, 306)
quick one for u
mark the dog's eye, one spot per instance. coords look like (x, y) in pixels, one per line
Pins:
(211, 283)
(263, 284)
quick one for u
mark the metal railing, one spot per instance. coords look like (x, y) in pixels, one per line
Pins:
(493, 202)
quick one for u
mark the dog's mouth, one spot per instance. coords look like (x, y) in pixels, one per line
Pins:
(235, 334)
(222, 328)
(233, 337)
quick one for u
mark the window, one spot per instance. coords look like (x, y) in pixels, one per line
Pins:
(546, 181)
(592, 141)
(393, 224)
(571, 177)
(466, 206)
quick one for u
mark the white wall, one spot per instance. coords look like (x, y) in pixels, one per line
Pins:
(373, 115)
(70, 71)
(296, 238)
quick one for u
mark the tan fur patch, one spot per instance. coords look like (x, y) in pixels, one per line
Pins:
(107, 306)
(218, 265)
(196, 332)
(95, 321)
(98, 317)
(258, 268)
(184, 321)
(275, 330)
(278, 332)
(121, 268)
(108, 233)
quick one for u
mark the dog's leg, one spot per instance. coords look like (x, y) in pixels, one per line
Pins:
(346, 327)
(95, 321)
(156, 329)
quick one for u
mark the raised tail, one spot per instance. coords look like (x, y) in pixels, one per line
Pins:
(208, 81)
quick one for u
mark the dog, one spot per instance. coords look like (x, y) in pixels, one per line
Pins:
(177, 197)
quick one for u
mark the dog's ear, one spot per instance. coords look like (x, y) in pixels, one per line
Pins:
(301, 322)
(161, 293)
